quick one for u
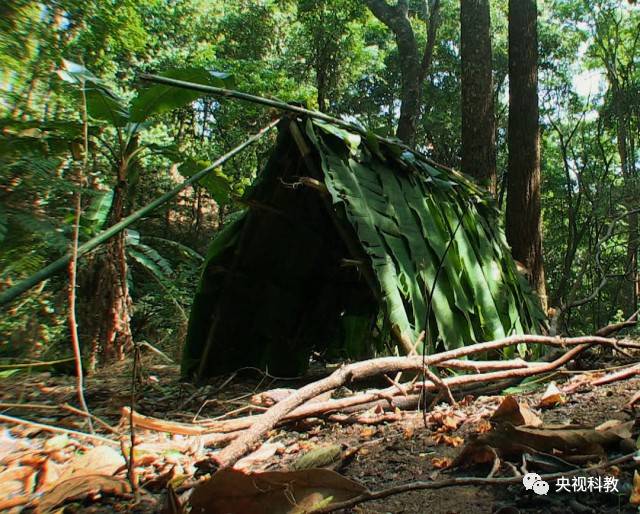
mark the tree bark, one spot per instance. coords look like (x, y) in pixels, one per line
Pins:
(523, 217)
(630, 288)
(478, 119)
(413, 67)
(107, 303)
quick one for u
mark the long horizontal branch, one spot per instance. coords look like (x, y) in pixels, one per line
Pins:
(283, 106)
(362, 370)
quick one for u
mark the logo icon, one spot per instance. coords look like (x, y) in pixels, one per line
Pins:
(535, 482)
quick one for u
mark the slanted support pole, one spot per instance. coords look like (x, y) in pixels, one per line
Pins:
(21, 287)
(283, 106)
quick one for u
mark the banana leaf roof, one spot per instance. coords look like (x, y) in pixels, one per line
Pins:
(345, 242)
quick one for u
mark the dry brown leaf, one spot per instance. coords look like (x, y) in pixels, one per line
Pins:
(49, 473)
(80, 487)
(253, 460)
(368, 432)
(515, 413)
(509, 441)
(441, 462)
(272, 492)
(616, 427)
(14, 501)
(100, 460)
(10, 445)
(551, 397)
(483, 427)
(449, 440)
(474, 453)
(446, 421)
(635, 489)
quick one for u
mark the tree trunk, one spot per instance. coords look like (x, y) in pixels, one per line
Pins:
(630, 287)
(523, 184)
(413, 67)
(478, 119)
(106, 302)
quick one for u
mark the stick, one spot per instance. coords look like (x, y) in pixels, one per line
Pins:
(64, 406)
(37, 364)
(459, 482)
(50, 428)
(361, 370)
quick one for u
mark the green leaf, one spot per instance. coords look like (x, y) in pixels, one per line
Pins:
(215, 182)
(160, 98)
(351, 139)
(132, 237)
(150, 259)
(104, 105)
(98, 211)
(171, 152)
(75, 73)
(4, 224)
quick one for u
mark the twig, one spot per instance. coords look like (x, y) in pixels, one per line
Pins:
(37, 364)
(459, 482)
(64, 406)
(50, 428)
(156, 351)
(101, 422)
(131, 466)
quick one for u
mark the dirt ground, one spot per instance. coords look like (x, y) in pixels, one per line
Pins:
(381, 454)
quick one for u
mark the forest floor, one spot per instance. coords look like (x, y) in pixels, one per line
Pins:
(387, 449)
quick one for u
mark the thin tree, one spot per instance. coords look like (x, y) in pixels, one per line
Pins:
(414, 65)
(478, 119)
(523, 182)
(73, 262)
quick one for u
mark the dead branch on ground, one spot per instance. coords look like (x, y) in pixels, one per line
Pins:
(362, 370)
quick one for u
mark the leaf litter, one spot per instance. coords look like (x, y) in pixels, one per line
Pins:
(293, 470)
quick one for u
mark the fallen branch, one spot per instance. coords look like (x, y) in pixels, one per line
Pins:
(618, 375)
(361, 370)
(50, 428)
(631, 321)
(207, 436)
(459, 482)
(160, 425)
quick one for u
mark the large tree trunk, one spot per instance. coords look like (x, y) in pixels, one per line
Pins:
(624, 140)
(413, 66)
(523, 183)
(478, 120)
(106, 303)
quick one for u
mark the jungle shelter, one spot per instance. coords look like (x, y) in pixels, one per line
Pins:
(344, 243)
